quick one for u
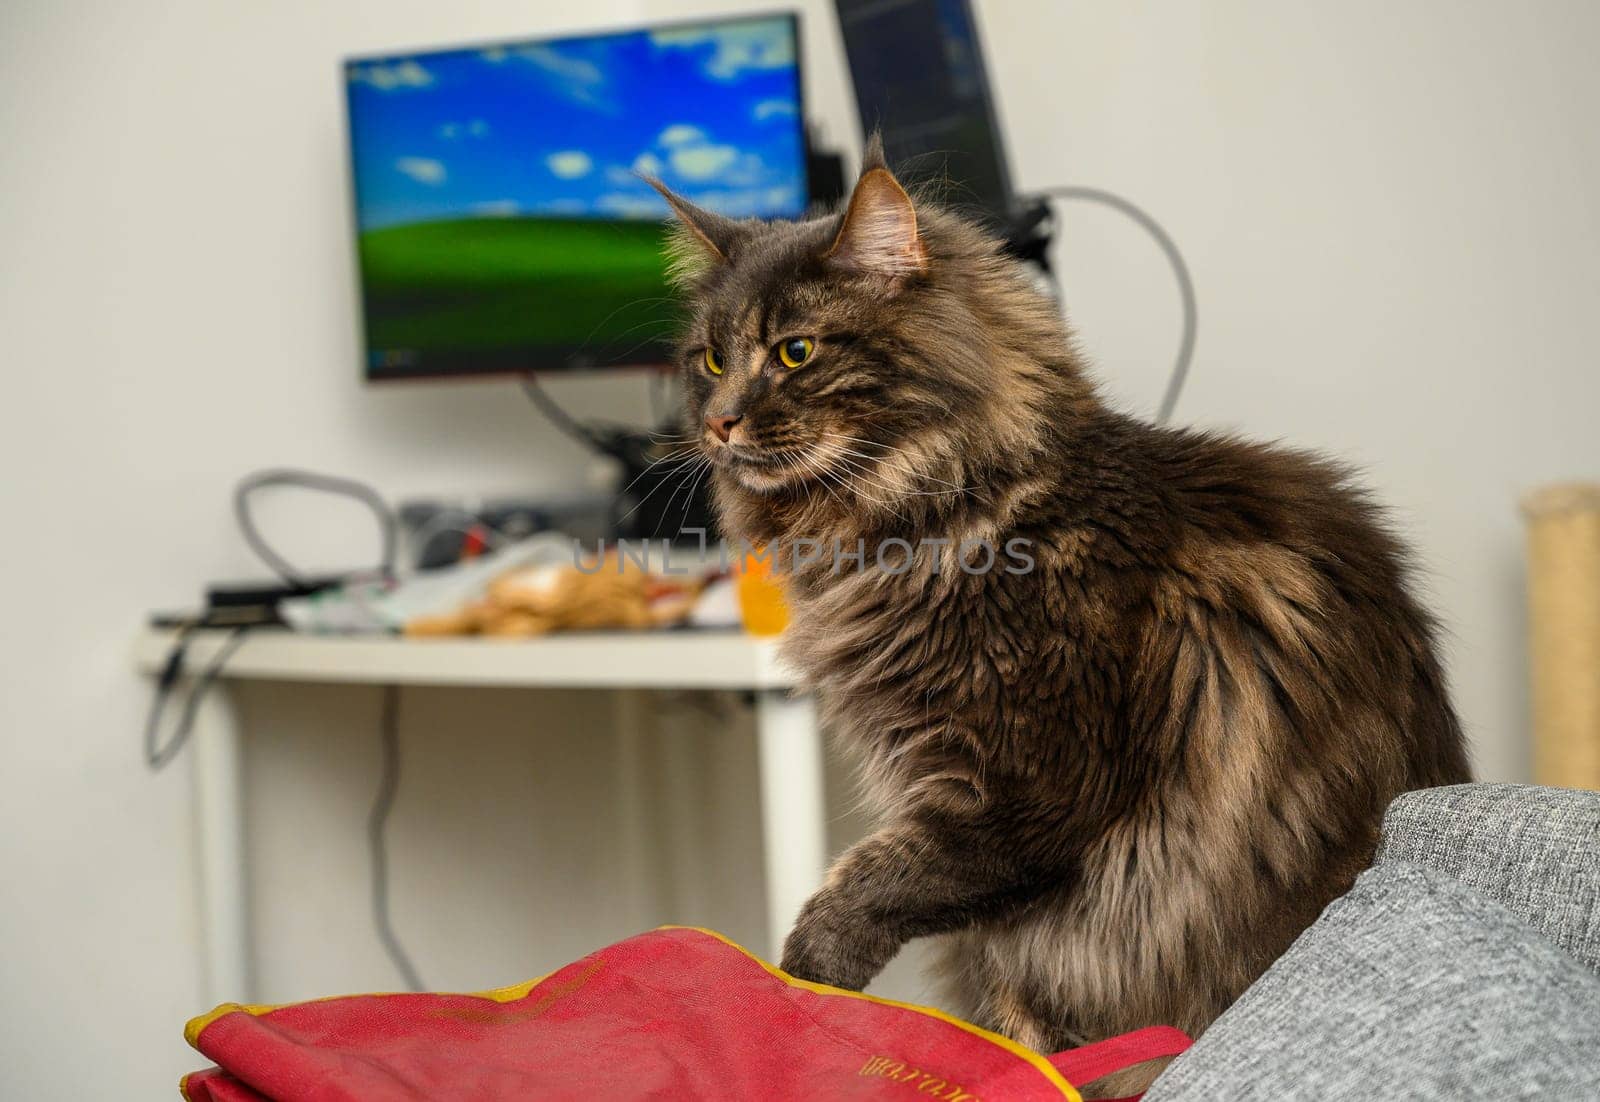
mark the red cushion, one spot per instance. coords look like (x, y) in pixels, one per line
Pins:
(675, 1013)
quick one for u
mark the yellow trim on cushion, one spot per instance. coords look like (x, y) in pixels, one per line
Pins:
(514, 992)
(1044, 1067)
(183, 1088)
(196, 1026)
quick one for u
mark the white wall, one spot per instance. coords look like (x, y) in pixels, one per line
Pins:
(1390, 211)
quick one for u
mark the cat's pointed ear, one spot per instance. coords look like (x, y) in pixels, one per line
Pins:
(878, 234)
(704, 239)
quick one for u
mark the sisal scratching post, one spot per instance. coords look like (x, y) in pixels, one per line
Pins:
(1564, 632)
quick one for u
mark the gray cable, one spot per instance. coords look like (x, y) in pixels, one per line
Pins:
(1180, 270)
(389, 724)
(158, 755)
(322, 483)
(377, 820)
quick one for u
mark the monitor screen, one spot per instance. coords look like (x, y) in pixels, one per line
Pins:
(919, 79)
(502, 221)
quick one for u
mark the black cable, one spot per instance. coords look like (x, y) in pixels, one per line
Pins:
(322, 483)
(156, 754)
(584, 434)
(377, 819)
(1180, 270)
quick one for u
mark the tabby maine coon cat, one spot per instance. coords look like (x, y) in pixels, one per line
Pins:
(1116, 785)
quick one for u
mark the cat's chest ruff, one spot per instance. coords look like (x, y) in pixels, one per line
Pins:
(900, 651)
(887, 645)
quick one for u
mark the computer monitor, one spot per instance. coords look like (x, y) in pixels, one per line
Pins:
(920, 81)
(502, 224)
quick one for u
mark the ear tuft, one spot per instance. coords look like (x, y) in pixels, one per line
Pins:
(688, 258)
(872, 154)
(699, 242)
(878, 234)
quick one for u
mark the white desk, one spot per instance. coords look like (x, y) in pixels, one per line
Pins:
(792, 809)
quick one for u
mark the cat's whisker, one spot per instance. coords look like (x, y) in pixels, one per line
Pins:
(897, 466)
(867, 472)
(682, 481)
(807, 470)
(853, 479)
(822, 478)
(807, 483)
(792, 464)
(677, 454)
(902, 464)
(639, 302)
(827, 479)
(657, 488)
(688, 500)
(869, 441)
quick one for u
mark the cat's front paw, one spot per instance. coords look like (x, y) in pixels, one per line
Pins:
(825, 947)
(824, 959)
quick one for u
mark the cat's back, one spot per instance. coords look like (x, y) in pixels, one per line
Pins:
(1290, 566)
(1208, 504)
(1224, 487)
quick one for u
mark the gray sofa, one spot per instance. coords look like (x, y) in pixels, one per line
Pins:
(1464, 964)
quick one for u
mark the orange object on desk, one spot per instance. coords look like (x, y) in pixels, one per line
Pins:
(762, 607)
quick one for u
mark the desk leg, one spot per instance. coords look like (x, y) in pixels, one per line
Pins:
(640, 860)
(794, 817)
(219, 822)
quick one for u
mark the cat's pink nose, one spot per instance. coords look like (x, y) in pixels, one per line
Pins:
(722, 424)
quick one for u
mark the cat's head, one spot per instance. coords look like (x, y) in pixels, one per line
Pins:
(871, 355)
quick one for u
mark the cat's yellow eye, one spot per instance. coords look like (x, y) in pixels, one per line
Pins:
(713, 361)
(795, 351)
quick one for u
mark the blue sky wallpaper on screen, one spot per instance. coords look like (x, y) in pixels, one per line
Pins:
(560, 128)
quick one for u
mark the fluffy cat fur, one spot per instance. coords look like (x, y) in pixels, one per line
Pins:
(1114, 787)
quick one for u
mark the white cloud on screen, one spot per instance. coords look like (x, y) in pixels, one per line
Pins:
(579, 79)
(772, 109)
(648, 163)
(681, 134)
(497, 208)
(391, 76)
(632, 206)
(701, 162)
(424, 170)
(748, 202)
(569, 164)
(736, 47)
(472, 128)
(748, 170)
(576, 69)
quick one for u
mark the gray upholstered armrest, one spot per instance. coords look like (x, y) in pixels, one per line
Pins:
(1412, 986)
(1535, 850)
